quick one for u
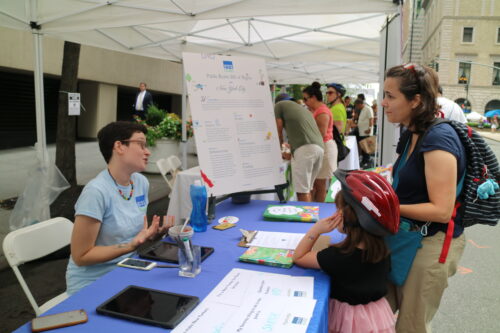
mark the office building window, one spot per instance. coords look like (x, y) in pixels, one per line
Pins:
(496, 74)
(464, 72)
(467, 35)
(498, 35)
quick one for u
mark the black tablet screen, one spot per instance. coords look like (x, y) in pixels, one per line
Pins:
(164, 251)
(152, 306)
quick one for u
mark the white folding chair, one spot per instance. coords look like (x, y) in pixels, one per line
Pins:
(33, 242)
(170, 165)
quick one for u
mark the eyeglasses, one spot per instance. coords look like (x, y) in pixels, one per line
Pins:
(141, 143)
(330, 92)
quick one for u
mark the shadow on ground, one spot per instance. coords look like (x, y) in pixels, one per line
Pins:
(46, 276)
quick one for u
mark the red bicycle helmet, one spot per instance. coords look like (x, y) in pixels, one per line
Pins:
(374, 201)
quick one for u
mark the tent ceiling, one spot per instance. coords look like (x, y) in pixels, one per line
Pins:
(301, 41)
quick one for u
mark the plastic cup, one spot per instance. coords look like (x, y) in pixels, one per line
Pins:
(188, 254)
(179, 235)
(189, 261)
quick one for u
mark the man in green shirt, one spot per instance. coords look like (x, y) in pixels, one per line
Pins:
(305, 141)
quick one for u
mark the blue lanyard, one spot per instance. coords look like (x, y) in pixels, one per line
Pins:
(401, 164)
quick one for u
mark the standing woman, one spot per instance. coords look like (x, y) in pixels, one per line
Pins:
(314, 100)
(425, 181)
(334, 93)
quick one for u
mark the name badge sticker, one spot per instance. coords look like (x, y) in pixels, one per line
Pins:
(141, 202)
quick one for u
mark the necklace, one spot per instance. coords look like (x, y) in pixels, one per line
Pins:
(120, 191)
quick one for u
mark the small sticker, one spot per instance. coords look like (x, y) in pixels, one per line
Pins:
(228, 219)
(141, 202)
(370, 206)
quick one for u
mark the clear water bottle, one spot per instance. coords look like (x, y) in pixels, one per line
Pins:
(198, 217)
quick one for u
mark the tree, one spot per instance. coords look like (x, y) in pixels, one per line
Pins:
(66, 125)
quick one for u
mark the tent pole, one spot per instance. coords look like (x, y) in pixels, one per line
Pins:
(184, 129)
(41, 144)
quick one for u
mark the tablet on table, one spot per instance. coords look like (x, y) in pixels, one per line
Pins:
(149, 306)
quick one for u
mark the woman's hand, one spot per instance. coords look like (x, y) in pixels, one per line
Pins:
(168, 221)
(146, 232)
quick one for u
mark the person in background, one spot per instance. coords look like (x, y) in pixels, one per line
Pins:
(314, 100)
(362, 97)
(494, 123)
(365, 127)
(304, 140)
(359, 265)
(348, 106)
(425, 181)
(375, 118)
(301, 103)
(334, 93)
(110, 214)
(449, 109)
(143, 100)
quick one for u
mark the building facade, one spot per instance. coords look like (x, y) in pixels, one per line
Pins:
(107, 81)
(461, 40)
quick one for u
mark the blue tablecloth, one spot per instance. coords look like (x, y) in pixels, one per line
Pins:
(214, 268)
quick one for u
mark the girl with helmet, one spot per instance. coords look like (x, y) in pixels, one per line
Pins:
(314, 100)
(334, 94)
(367, 210)
(426, 175)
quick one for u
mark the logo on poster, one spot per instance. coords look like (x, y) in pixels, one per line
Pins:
(228, 65)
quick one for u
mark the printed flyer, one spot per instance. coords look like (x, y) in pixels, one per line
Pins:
(233, 121)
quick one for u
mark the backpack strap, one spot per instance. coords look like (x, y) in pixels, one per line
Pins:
(451, 224)
(449, 235)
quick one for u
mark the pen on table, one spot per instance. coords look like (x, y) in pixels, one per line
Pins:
(167, 266)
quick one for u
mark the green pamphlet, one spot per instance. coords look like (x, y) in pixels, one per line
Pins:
(291, 213)
(268, 256)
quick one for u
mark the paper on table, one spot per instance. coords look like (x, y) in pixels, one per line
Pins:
(277, 240)
(257, 314)
(239, 284)
(206, 318)
(271, 314)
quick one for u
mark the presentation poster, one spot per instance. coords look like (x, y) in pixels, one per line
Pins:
(233, 121)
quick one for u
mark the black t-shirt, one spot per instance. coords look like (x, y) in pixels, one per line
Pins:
(349, 109)
(352, 280)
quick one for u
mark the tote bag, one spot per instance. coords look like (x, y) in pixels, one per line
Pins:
(405, 244)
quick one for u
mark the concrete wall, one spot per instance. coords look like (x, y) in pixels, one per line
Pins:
(100, 73)
(99, 100)
(96, 64)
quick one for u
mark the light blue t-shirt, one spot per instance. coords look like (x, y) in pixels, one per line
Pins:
(121, 220)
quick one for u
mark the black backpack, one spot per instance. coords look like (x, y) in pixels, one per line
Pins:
(342, 149)
(482, 164)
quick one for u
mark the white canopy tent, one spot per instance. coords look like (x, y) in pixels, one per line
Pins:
(301, 41)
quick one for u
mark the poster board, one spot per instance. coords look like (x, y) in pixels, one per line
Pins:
(233, 121)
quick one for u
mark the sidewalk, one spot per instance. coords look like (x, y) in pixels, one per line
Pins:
(488, 134)
(16, 164)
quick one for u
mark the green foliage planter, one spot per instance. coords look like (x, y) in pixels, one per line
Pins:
(164, 135)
